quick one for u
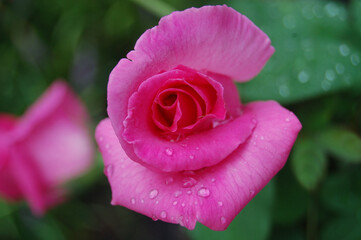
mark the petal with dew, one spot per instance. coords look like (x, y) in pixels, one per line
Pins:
(212, 196)
(217, 39)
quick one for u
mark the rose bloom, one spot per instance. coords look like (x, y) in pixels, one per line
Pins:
(178, 145)
(46, 147)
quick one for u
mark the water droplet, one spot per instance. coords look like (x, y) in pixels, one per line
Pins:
(283, 91)
(191, 157)
(220, 204)
(132, 201)
(189, 182)
(213, 180)
(331, 9)
(303, 77)
(169, 180)
(154, 218)
(344, 50)
(109, 170)
(326, 85)
(142, 200)
(355, 59)
(163, 214)
(340, 69)
(101, 139)
(156, 202)
(107, 145)
(184, 145)
(153, 193)
(189, 192)
(177, 193)
(223, 220)
(197, 148)
(183, 204)
(204, 192)
(289, 22)
(262, 138)
(287, 119)
(307, 13)
(175, 203)
(330, 75)
(251, 192)
(169, 151)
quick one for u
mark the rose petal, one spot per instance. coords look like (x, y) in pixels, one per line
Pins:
(152, 149)
(215, 38)
(56, 136)
(48, 146)
(214, 195)
(7, 125)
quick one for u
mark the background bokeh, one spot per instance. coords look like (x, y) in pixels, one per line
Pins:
(315, 72)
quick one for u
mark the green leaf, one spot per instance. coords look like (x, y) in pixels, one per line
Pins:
(342, 143)
(290, 203)
(44, 228)
(302, 66)
(253, 223)
(356, 16)
(345, 228)
(157, 7)
(308, 163)
(341, 192)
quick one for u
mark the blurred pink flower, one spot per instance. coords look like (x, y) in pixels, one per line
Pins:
(44, 148)
(179, 146)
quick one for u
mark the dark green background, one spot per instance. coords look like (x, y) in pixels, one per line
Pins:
(315, 72)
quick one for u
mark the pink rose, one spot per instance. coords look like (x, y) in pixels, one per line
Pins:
(179, 146)
(44, 148)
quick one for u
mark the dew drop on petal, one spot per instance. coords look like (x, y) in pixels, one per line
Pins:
(101, 139)
(213, 180)
(183, 204)
(169, 180)
(251, 192)
(189, 192)
(177, 193)
(156, 202)
(154, 218)
(163, 214)
(262, 138)
(132, 200)
(109, 170)
(175, 203)
(220, 204)
(287, 119)
(189, 182)
(204, 192)
(197, 148)
(153, 193)
(142, 200)
(169, 151)
(191, 157)
(223, 220)
(107, 145)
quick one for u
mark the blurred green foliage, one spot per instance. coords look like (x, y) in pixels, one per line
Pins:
(315, 71)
